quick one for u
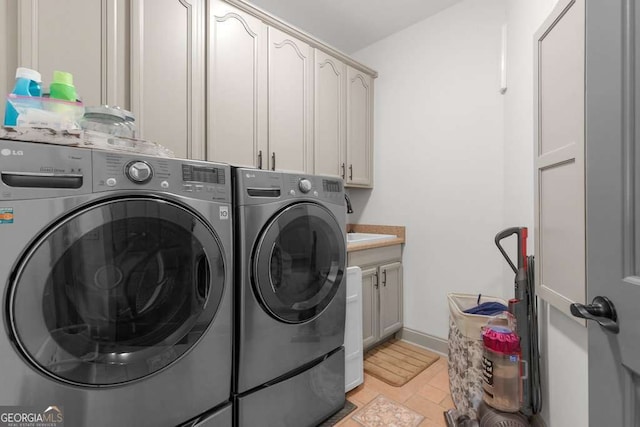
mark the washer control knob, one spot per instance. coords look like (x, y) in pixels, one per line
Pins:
(304, 185)
(139, 172)
(111, 182)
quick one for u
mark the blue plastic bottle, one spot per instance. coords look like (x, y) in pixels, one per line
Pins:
(27, 84)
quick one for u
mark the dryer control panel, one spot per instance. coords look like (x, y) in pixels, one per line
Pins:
(255, 186)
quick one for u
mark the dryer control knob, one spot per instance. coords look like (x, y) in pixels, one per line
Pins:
(304, 185)
(139, 172)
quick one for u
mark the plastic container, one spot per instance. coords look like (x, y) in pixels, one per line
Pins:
(501, 362)
(62, 86)
(466, 351)
(38, 112)
(27, 84)
(109, 120)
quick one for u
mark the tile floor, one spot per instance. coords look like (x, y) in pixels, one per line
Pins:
(427, 394)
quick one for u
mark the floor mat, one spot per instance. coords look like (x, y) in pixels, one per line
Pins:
(338, 416)
(384, 412)
(396, 362)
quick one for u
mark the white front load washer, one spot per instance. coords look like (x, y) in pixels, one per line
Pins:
(116, 272)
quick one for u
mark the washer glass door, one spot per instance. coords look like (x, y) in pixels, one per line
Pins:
(116, 291)
(299, 262)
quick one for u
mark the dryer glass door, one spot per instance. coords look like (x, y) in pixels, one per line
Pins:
(299, 262)
(117, 291)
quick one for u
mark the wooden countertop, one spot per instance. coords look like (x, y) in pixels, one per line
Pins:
(377, 229)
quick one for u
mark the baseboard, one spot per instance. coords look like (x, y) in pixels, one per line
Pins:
(435, 344)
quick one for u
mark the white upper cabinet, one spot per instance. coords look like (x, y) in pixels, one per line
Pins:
(168, 73)
(329, 116)
(81, 37)
(146, 56)
(290, 97)
(237, 95)
(260, 100)
(359, 129)
(209, 79)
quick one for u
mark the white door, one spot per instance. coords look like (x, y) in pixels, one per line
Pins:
(613, 210)
(237, 87)
(329, 112)
(168, 73)
(369, 306)
(290, 71)
(390, 298)
(359, 128)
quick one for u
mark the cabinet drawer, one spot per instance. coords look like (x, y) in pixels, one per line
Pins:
(374, 256)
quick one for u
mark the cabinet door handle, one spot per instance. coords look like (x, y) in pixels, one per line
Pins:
(260, 159)
(344, 172)
(351, 172)
(273, 161)
(375, 278)
(384, 278)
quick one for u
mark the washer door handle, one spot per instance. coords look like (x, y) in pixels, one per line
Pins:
(203, 279)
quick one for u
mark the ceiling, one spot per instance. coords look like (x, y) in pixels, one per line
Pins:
(351, 25)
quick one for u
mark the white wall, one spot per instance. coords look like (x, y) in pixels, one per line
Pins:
(439, 156)
(563, 340)
(454, 164)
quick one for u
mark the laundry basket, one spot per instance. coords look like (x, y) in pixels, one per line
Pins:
(465, 351)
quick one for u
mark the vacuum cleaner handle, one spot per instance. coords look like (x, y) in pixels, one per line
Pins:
(522, 246)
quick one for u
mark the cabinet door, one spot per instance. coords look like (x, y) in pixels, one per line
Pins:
(237, 94)
(78, 36)
(359, 129)
(369, 307)
(390, 298)
(168, 73)
(290, 67)
(329, 116)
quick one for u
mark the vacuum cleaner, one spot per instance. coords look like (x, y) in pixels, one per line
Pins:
(523, 307)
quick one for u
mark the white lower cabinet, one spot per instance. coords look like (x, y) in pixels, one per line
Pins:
(382, 313)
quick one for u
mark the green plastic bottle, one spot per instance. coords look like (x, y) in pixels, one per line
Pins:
(62, 86)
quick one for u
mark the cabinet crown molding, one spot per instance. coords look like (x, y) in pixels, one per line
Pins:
(299, 34)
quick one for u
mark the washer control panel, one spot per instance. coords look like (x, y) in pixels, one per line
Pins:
(190, 178)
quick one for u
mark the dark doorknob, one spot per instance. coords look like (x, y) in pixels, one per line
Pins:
(601, 310)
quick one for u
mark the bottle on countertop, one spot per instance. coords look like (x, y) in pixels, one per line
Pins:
(27, 84)
(62, 86)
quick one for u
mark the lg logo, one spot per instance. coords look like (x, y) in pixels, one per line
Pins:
(8, 152)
